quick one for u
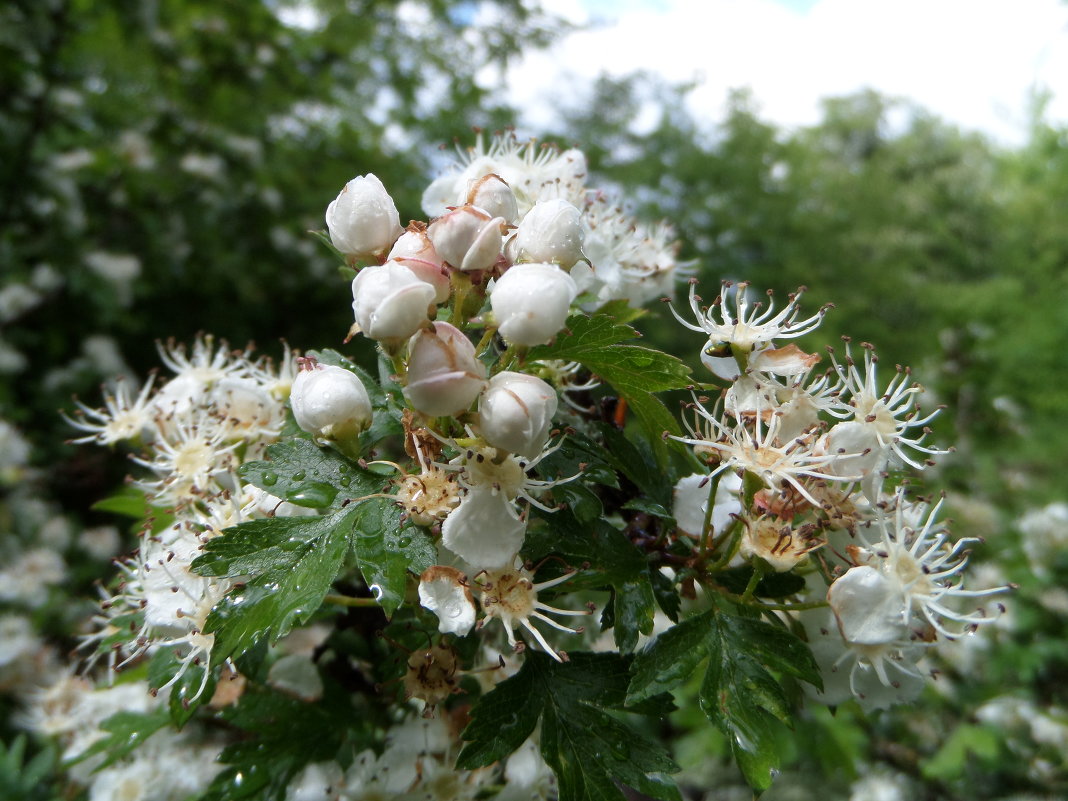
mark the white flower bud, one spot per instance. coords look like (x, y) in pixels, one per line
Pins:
(444, 591)
(551, 232)
(444, 376)
(516, 412)
(416, 252)
(330, 402)
(363, 220)
(492, 194)
(531, 302)
(390, 302)
(467, 238)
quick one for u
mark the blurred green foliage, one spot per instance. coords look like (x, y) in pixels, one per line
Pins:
(203, 140)
(944, 250)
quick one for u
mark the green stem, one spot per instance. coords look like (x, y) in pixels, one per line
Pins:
(799, 607)
(348, 600)
(486, 341)
(735, 533)
(758, 573)
(706, 527)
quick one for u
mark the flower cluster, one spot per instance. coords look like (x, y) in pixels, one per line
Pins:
(190, 433)
(818, 448)
(488, 470)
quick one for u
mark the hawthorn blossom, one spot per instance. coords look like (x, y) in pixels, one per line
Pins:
(511, 596)
(883, 419)
(735, 333)
(123, 418)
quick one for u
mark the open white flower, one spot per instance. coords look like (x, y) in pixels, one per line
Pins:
(878, 675)
(888, 417)
(510, 595)
(735, 333)
(533, 172)
(122, 419)
(756, 448)
(925, 569)
(190, 454)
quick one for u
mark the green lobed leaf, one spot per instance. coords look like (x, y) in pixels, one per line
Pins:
(614, 561)
(597, 342)
(125, 731)
(772, 585)
(188, 693)
(296, 576)
(502, 719)
(667, 597)
(633, 609)
(299, 471)
(588, 749)
(386, 550)
(738, 693)
(284, 735)
(671, 658)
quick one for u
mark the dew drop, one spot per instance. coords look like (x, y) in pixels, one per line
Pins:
(270, 479)
(300, 475)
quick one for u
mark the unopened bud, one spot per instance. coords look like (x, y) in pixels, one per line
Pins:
(390, 302)
(531, 302)
(493, 195)
(330, 402)
(551, 232)
(516, 412)
(416, 252)
(444, 375)
(363, 221)
(467, 238)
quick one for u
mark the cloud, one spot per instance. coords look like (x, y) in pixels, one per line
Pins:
(973, 62)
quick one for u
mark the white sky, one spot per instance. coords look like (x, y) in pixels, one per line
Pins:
(972, 62)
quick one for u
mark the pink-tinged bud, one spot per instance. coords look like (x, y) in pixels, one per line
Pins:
(467, 238)
(444, 376)
(330, 402)
(416, 252)
(390, 302)
(530, 303)
(516, 412)
(492, 194)
(551, 232)
(363, 220)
